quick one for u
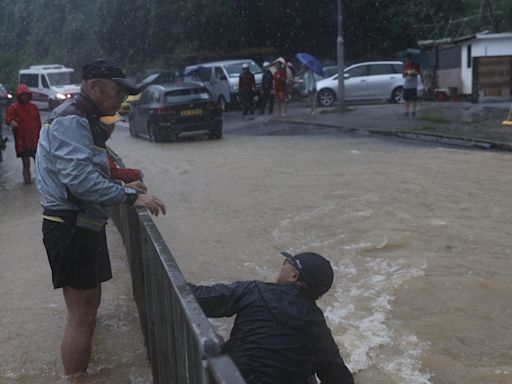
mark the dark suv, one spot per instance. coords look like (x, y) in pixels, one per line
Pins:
(168, 112)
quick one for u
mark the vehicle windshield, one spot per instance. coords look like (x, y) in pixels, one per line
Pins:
(186, 95)
(234, 70)
(62, 78)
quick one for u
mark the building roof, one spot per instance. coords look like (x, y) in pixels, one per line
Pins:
(460, 39)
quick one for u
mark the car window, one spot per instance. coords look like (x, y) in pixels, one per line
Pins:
(44, 81)
(186, 95)
(62, 78)
(30, 80)
(381, 69)
(219, 74)
(329, 71)
(205, 74)
(3, 92)
(165, 77)
(358, 71)
(234, 70)
(148, 96)
(398, 68)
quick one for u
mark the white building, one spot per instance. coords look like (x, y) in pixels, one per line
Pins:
(478, 65)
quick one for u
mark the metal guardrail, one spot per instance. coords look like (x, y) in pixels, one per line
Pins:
(182, 346)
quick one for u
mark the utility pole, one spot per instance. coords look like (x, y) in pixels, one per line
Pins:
(487, 18)
(341, 58)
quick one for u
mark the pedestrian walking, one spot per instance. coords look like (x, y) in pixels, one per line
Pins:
(267, 89)
(247, 87)
(411, 72)
(310, 86)
(72, 175)
(281, 86)
(25, 122)
(280, 335)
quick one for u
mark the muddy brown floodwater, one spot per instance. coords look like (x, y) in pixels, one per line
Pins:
(419, 237)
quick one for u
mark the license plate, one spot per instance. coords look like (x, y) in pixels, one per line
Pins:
(191, 112)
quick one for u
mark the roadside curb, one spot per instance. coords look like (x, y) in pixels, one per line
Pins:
(411, 135)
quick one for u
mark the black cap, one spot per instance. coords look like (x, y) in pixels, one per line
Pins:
(315, 271)
(104, 69)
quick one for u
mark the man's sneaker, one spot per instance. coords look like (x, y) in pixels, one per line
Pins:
(406, 115)
(413, 114)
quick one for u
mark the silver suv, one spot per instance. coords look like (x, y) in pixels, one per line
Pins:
(373, 80)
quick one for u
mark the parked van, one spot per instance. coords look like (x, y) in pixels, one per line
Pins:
(221, 78)
(50, 84)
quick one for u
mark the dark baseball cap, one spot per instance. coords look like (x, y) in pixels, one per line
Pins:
(104, 69)
(314, 269)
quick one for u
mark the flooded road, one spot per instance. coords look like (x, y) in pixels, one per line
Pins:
(419, 237)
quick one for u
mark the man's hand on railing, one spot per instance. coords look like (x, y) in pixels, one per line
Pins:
(153, 203)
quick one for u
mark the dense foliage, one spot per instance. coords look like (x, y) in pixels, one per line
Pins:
(146, 34)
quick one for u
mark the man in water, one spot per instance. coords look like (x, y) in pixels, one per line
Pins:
(280, 335)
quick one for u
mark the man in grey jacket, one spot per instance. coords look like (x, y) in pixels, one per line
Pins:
(72, 175)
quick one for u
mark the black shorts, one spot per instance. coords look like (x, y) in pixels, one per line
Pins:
(78, 256)
(410, 94)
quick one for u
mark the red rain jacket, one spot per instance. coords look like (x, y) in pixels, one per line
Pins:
(26, 134)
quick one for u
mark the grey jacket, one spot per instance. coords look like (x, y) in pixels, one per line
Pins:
(72, 169)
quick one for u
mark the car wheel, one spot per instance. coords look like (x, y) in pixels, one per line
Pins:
(222, 103)
(215, 134)
(397, 96)
(326, 97)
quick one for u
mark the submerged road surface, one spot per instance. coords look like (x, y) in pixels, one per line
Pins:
(419, 237)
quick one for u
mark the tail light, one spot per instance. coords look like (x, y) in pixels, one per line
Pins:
(164, 111)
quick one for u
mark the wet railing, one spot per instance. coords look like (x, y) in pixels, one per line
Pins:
(182, 346)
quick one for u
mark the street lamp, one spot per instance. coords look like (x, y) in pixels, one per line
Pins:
(341, 58)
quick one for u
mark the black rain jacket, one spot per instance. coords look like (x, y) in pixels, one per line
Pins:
(279, 336)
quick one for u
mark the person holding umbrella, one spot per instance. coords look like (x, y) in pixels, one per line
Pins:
(411, 72)
(310, 85)
(311, 66)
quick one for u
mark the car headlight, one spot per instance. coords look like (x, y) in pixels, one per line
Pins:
(60, 96)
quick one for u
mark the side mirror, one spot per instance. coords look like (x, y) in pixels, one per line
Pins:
(223, 77)
(346, 75)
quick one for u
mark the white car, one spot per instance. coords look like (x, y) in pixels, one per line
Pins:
(222, 78)
(51, 84)
(373, 80)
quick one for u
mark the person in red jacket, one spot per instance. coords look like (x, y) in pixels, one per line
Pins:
(281, 86)
(126, 175)
(24, 119)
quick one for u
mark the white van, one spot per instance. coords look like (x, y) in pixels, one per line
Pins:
(50, 84)
(222, 78)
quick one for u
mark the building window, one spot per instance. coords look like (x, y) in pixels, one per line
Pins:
(469, 58)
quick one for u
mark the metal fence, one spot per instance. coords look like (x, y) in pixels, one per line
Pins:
(182, 346)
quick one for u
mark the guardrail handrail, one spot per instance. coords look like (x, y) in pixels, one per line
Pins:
(181, 343)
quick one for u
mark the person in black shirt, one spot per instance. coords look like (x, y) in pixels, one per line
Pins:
(267, 90)
(280, 335)
(247, 87)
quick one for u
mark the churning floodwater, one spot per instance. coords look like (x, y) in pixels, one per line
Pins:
(419, 237)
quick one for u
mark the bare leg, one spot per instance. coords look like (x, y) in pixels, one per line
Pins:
(82, 305)
(312, 103)
(27, 177)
